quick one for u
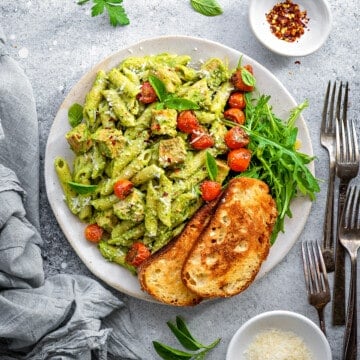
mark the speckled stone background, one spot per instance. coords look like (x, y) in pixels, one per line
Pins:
(56, 42)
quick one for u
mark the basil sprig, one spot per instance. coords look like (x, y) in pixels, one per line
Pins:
(183, 335)
(169, 100)
(207, 7)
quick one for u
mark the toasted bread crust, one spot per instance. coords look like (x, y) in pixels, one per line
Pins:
(229, 252)
(160, 275)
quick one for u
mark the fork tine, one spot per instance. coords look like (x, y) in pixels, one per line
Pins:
(338, 102)
(351, 209)
(306, 267)
(322, 266)
(325, 109)
(345, 105)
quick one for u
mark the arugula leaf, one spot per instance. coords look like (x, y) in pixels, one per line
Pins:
(275, 159)
(207, 7)
(116, 11)
(75, 114)
(211, 166)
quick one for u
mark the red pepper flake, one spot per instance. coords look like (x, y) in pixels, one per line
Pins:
(287, 21)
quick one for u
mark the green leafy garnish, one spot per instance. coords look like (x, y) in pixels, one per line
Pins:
(169, 100)
(116, 11)
(247, 77)
(75, 114)
(82, 188)
(275, 158)
(183, 335)
(207, 7)
(211, 166)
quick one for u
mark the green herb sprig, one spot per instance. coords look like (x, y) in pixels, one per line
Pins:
(169, 100)
(114, 8)
(75, 114)
(275, 158)
(207, 7)
(185, 338)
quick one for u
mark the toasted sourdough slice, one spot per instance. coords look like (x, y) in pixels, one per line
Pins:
(229, 252)
(160, 275)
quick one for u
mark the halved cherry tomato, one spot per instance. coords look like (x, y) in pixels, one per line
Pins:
(187, 122)
(236, 138)
(147, 93)
(237, 100)
(93, 233)
(210, 190)
(239, 159)
(137, 254)
(200, 139)
(122, 188)
(236, 115)
(237, 80)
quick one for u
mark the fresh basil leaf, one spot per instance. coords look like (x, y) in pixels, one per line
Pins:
(213, 344)
(168, 353)
(75, 114)
(158, 86)
(247, 77)
(207, 7)
(211, 166)
(82, 2)
(82, 188)
(186, 341)
(180, 104)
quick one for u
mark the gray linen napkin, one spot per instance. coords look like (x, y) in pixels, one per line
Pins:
(62, 317)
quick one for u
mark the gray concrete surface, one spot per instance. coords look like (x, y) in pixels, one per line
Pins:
(56, 42)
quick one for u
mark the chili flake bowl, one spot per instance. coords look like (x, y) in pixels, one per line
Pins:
(317, 28)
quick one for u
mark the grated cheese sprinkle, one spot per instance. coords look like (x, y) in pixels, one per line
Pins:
(274, 344)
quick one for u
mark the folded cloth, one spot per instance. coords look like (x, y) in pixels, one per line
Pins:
(64, 316)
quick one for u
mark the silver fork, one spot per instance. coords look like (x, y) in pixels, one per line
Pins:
(327, 139)
(316, 279)
(349, 234)
(347, 167)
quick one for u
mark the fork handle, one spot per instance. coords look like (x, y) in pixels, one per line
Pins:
(338, 310)
(328, 231)
(350, 339)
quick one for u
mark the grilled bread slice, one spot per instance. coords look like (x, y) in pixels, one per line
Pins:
(229, 252)
(160, 275)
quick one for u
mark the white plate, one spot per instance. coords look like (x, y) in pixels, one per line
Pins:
(199, 49)
(316, 32)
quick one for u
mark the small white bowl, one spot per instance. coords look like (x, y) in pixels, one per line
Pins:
(287, 321)
(317, 30)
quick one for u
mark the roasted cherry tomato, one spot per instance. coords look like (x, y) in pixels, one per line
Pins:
(236, 115)
(147, 93)
(239, 159)
(210, 190)
(93, 233)
(237, 79)
(122, 188)
(200, 139)
(187, 122)
(237, 100)
(236, 138)
(137, 254)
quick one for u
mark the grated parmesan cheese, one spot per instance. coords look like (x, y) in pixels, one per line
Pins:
(274, 344)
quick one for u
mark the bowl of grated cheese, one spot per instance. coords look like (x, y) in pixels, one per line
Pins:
(281, 335)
